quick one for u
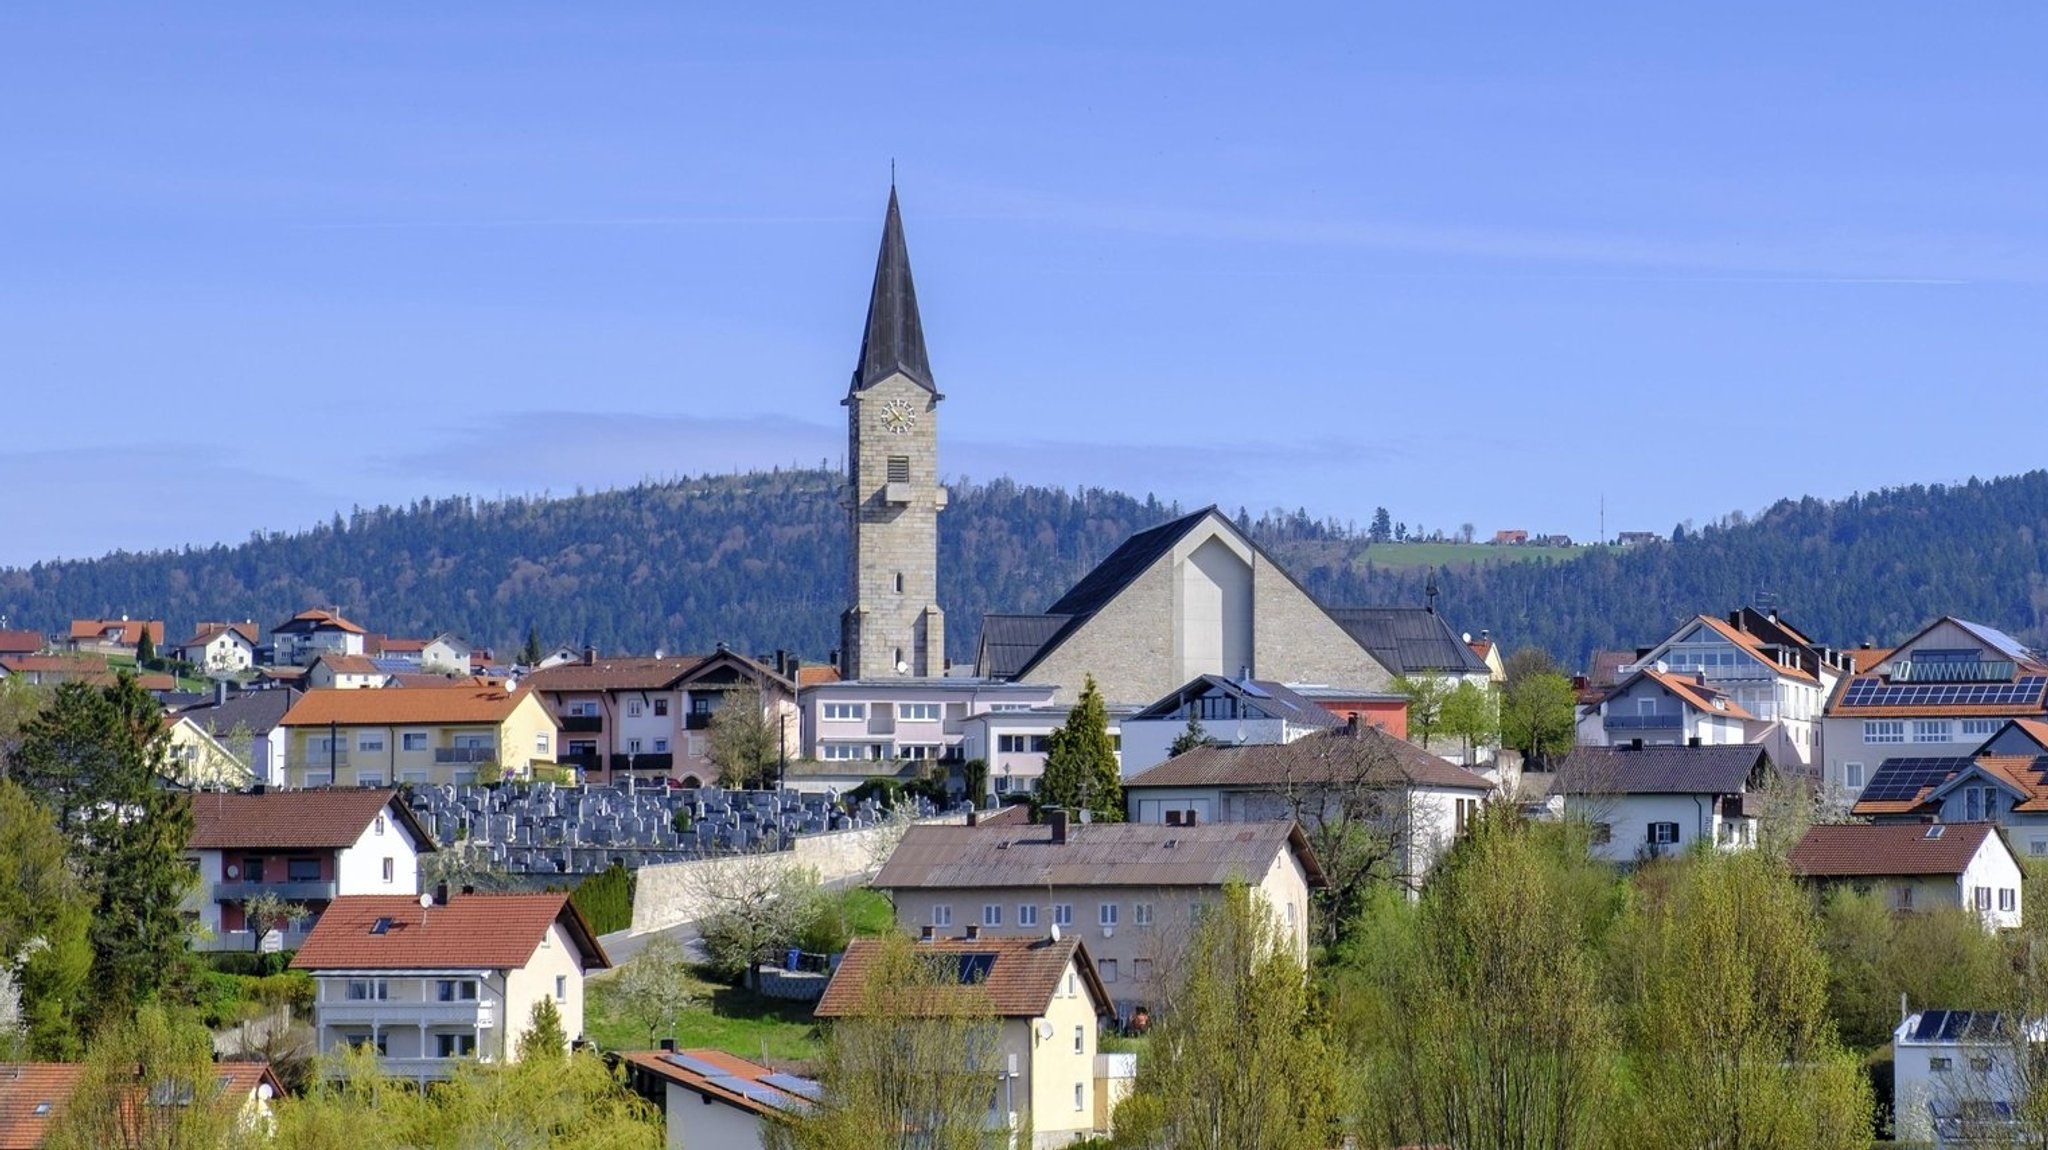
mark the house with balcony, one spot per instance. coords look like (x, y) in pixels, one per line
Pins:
(1237, 711)
(1919, 866)
(879, 727)
(220, 649)
(427, 985)
(306, 636)
(1049, 999)
(1939, 694)
(1132, 890)
(650, 718)
(1760, 662)
(303, 848)
(1012, 741)
(1654, 706)
(452, 735)
(2002, 781)
(1648, 802)
(121, 636)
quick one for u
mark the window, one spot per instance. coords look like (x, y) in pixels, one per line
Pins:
(1078, 1103)
(1980, 728)
(635, 708)
(1141, 913)
(660, 708)
(1938, 1064)
(942, 915)
(413, 741)
(1080, 1039)
(540, 743)
(1982, 897)
(1063, 914)
(661, 746)
(390, 870)
(917, 712)
(1902, 897)
(1027, 915)
(840, 752)
(302, 870)
(2038, 848)
(1106, 914)
(1981, 1064)
(561, 988)
(252, 869)
(1930, 730)
(1852, 776)
(899, 469)
(1288, 918)
(1141, 969)
(454, 1045)
(319, 778)
(846, 710)
(1663, 833)
(370, 741)
(899, 582)
(992, 914)
(1069, 982)
(917, 752)
(379, 824)
(1884, 730)
(455, 990)
(632, 746)
(360, 1041)
(1467, 810)
(368, 990)
(369, 778)
(2008, 899)
(1107, 968)
(1600, 834)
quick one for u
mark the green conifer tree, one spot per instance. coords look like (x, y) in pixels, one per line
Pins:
(1081, 770)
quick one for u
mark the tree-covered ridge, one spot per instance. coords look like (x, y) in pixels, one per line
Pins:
(758, 560)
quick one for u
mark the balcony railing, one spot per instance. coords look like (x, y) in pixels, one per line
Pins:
(405, 1012)
(319, 757)
(301, 891)
(582, 724)
(1979, 671)
(644, 761)
(697, 721)
(465, 754)
(1643, 722)
(247, 941)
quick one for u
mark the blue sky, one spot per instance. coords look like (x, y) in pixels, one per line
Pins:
(1475, 263)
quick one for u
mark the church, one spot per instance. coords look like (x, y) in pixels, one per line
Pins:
(1187, 598)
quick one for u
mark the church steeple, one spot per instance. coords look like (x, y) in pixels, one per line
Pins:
(893, 340)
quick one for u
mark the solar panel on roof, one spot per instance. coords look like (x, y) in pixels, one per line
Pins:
(802, 1087)
(754, 1091)
(975, 968)
(1876, 693)
(696, 1065)
(1901, 780)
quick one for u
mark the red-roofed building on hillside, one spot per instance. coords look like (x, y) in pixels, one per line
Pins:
(115, 636)
(425, 986)
(447, 736)
(221, 649)
(21, 643)
(299, 640)
(306, 848)
(1655, 706)
(33, 1096)
(1919, 866)
(49, 670)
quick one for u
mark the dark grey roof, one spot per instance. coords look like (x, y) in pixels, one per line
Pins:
(1111, 576)
(893, 340)
(260, 711)
(1273, 700)
(1670, 770)
(1409, 640)
(1009, 641)
(1095, 854)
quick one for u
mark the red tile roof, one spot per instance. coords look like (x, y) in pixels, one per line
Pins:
(1701, 696)
(813, 675)
(283, 820)
(127, 632)
(348, 664)
(27, 1087)
(56, 664)
(1755, 648)
(1019, 982)
(487, 931)
(763, 1098)
(1858, 850)
(380, 708)
(21, 642)
(316, 619)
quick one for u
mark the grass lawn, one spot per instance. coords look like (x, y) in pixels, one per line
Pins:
(729, 1019)
(1461, 554)
(868, 912)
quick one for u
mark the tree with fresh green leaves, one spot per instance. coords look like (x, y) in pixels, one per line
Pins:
(1081, 771)
(1471, 714)
(45, 915)
(743, 739)
(1239, 1058)
(1723, 987)
(1194, 736)
(1539, 717)
(150, 1083)
(1934, 958)
(756, 907)
(654, 988)
(1426, 695)
(96, 758)
(890, 1074)
(543, 1037)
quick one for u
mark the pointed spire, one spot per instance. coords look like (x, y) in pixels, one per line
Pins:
(894, 338)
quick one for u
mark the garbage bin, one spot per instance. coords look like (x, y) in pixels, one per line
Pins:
(789, 960)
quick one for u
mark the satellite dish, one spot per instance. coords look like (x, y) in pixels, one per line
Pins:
(1044, 1030)
(1055, 932)
(426, 901)
(264, 1092)
(902, 668)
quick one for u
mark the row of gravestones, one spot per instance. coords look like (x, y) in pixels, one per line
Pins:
(581, 830)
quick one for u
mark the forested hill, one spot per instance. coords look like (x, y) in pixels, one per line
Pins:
(758, 561)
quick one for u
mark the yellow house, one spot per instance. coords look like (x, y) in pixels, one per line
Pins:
(336, 737)
(1048, 1071)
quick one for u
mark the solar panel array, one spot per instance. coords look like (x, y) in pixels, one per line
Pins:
(802, 1087)
(1902, 780)
(696, 1065)
(1954, 1025)
(975, 968)
(2022, 691)
(757, 1092)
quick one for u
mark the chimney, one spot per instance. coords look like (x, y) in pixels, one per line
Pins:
(1693, 741)
(1351, 724)
(1056, 821)
(441, 894)
(468, 889)
(220, 692)
(973, 931)
(668, 1045)
(1735, 619)
(589, 656)
(1635, 744)
(973, 816)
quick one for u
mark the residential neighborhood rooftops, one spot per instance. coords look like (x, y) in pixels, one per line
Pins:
(334, 705)
(207, 632)
(1018, 976)
(1262, 697)
(1870, 850)
(615, 674)
(33, 1094)
(717, 1076)
(21, 642)
(349, 664)
(483, 931)
(315, 819)
(1094, 854)
(1367, 755)
(258, 711)
(1721, 770)
(126, 632)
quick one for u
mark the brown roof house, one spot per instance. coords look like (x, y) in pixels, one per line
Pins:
(313, 632)
(652, 716)
(114, 636)
(1919, 866)
(303, 848)
(1132, 890)
(33, 1096)
(425, 983)
(1046, 991)
(1323, 780)
(711, 1098)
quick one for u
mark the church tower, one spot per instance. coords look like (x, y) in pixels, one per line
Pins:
(892, 495)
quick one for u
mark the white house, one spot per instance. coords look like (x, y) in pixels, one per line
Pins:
(1919, 866)
(711, 1098)
(1012, 741)
(305, 636)
(1654, 705)
(870, 724)
(221, 649)
(446, 652)
(306, 848)
(1238, 712)
(425, 985)
(1657, 801)
(346, 673)
(1959, 1075)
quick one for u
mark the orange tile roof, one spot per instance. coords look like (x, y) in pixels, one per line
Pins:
(288, 819)
(1705, 698)
(33, 1094)
(129, 631)
(1019, 983)
(486, 931)
(1755, 648)
(333, 705)
(1858, 850)
(811, 676)
(1868, 658)
(348, 664)
(66, 664)
(322, 619)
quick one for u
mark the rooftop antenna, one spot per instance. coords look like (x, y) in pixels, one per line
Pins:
(1429, 591)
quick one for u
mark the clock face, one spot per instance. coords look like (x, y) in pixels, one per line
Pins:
(898, 416)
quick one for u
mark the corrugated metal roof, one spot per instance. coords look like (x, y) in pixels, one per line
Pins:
(1095, 854)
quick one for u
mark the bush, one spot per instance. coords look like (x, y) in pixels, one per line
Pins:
(887, 792)
(606, 899)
